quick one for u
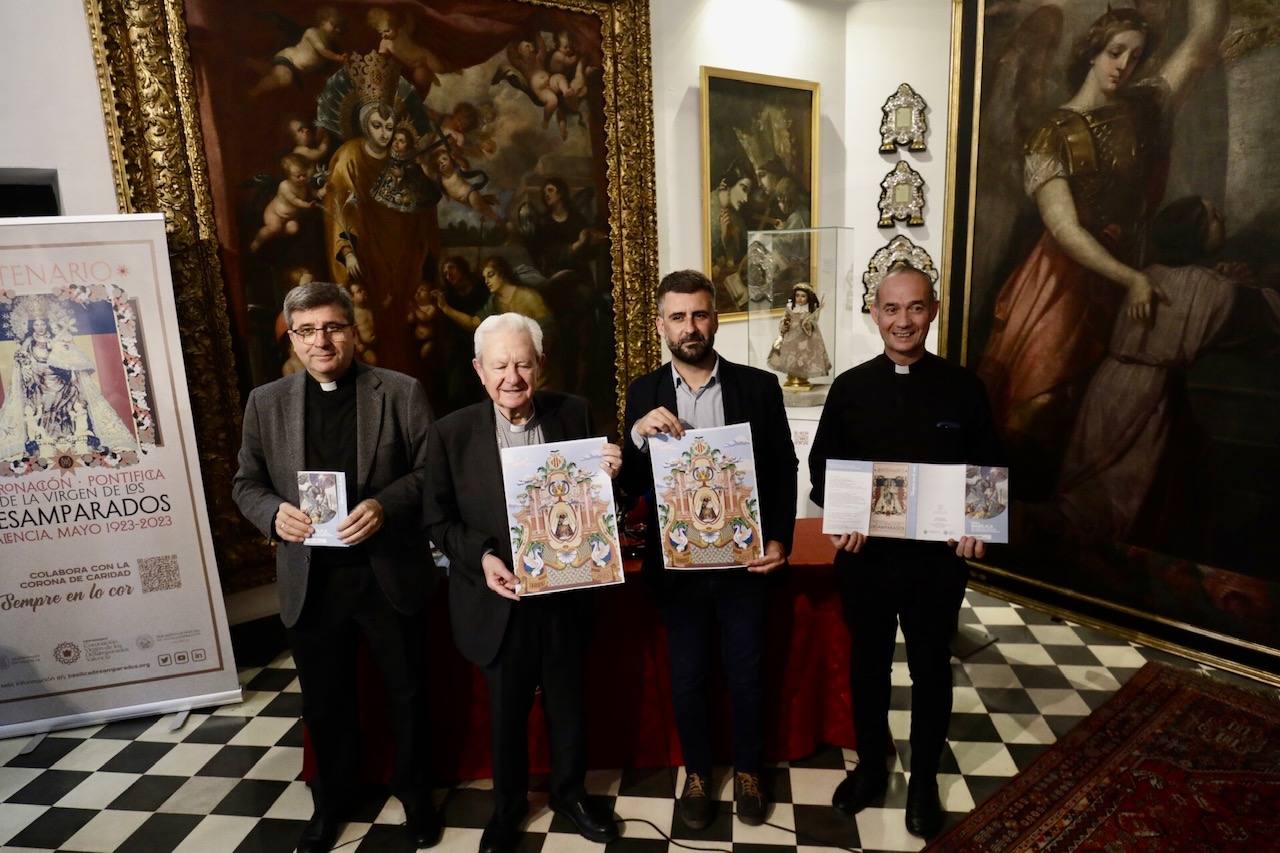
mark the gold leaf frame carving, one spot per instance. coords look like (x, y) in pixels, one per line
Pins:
(158, 164)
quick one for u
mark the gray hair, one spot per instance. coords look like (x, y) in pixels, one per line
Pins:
(508, 322)
(316, 294)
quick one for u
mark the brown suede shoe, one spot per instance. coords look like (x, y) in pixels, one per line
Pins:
(696, 805)
(748, 798)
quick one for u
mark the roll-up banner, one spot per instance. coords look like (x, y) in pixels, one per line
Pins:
(109, 599)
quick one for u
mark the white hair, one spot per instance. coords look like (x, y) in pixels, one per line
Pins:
(508, 322)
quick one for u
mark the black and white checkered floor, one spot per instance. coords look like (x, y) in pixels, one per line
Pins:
(227, 781)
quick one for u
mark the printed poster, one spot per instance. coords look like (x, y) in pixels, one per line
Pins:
(908, 500)
(708, 508)
(109, 598)
(560, 511)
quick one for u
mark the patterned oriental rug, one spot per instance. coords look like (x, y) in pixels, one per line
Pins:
(1173, 761)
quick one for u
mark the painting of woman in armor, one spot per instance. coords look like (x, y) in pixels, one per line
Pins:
(1092, 118)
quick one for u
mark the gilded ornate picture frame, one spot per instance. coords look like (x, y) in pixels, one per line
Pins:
(759, 172)
(1144, 449)
(509, 167)
(901, 197)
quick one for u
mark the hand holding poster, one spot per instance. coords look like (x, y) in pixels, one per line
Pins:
(564, 529)
(908, 500)
(708, 509)
(109, 599)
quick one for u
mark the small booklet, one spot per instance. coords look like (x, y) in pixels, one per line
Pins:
(560, 512)
(323, 496)
(911, 500)
(708, 506)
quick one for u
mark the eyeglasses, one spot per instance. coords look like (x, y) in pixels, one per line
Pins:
(333, 331)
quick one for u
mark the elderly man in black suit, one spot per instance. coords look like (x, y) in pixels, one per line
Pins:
(371, 423)
(520, 645)
(701, 389)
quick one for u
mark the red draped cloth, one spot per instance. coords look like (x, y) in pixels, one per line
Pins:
(629, 713)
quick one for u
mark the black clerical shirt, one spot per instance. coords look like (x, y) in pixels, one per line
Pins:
(932, 411)
(331, 446)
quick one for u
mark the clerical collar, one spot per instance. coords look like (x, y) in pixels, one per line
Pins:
(343, 381)
(503, 422)
(901, 368)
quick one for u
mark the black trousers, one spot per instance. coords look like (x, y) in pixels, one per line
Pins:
(544, 646)
(921, 585)
(691, 604)
(342, 601)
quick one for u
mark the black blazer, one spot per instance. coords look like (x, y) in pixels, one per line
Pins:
(466, 514)
(751, 395)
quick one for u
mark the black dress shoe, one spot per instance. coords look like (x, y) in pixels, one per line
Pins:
(319, 834)
(924, 810)
(859, 789)
(498, 838)
(591, 824)
(423, 827)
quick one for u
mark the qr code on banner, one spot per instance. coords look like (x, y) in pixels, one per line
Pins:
(159, 573)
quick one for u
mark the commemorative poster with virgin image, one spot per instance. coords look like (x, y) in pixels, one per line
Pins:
(109, 598)
(560, 512)
(708, 509)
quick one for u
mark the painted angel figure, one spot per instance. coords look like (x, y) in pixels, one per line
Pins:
(1095, 169)
(395, 29)
(316, 47)
(529, 73)
(799, 350)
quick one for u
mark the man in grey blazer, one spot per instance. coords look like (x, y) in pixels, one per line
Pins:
(371, 423)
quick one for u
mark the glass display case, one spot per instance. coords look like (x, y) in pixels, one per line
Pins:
(802, 304)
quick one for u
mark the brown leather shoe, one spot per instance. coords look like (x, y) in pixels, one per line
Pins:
(696, 805)
(748, 798)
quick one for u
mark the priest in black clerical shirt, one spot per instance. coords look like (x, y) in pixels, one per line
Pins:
(371, 424)
(906, 405)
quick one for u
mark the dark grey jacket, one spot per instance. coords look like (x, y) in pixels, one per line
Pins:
(392, 418)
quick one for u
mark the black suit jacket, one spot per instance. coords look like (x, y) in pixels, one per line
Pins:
(750, 395)
(466, 513)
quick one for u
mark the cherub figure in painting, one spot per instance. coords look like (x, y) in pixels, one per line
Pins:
(422, 318)
(445, 168)
(310, 143)
(799, 350)
(529, 73)
(293, 197)
(568, 72)
(467, 128)
(366, 335)
(395, 29)
(315, 49)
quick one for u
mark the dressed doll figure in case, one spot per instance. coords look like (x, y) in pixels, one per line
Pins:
(799, 350)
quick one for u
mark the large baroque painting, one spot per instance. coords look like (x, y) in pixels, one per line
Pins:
(1122, 309)
(444, 159)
